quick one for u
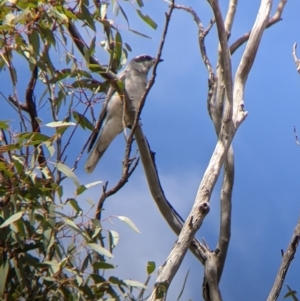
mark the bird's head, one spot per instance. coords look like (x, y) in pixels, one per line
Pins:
(143, 63)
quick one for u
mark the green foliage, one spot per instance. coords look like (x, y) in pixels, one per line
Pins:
(46, 253)
(291, 293)
(51, 249)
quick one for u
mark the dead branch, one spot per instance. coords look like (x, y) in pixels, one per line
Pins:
(230, 16)
(228, 177)
(230, 124)
(275, 19)
(296, 60)
(225, 208)
(287, 258)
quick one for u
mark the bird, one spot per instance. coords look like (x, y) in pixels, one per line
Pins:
(110, 122)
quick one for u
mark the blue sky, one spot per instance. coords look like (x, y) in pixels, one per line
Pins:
(266, 197)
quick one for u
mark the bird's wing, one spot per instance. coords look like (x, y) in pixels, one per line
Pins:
(103, 112)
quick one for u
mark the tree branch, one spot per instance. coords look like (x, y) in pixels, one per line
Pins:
(287, 258)
(83, 48)
(296, 60)
(169, 213)
(275, 19)
(230, 124)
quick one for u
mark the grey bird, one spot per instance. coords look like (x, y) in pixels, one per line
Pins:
(110, 122)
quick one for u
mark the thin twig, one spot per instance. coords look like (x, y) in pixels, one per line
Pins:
(296, 136)
(124, 179)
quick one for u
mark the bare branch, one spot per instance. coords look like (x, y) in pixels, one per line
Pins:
(210, 287)
(225, 200)
(297, 61)
(230, 124)
(225, 60)
(287, 258)
(230, 16)
(228, 176)
(275, 19)
(248, 58)
(17, 104)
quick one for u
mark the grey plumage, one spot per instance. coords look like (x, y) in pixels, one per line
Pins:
(110, 121)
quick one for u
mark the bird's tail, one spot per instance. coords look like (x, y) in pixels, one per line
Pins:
(93, 160)
(106, 136)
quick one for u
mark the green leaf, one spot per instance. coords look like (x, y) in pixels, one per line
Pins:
(73, 226)
(129, 223)
(4, 124)
(128, 47)
(150, 267)
(134, 283)
(60, 75)
(80, 189)
(147, 19)
(96, 68)
(82, 73)
(56, 124)
(12, 219)
(113, 239)
(291, 293)
(92, 46)
(71, 249)
(139, 33)
(89, 84)
(66, 170)
(33, 138)
(67, 12)
(54, 265)
(82, 121)
(118, 49)
(140, 3)
(103, 10)
(124, 15)
(98, 279)
(87, 186)
(6, 27)
(96, 232)
(116, 280)
(103, 265)
(75, 205)
(19, 164)
(50, 148)
(86, 16)
(34, 39)
(47, 34)
(62, 18)
(4, 268)
(86, 262)
(100, 250)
